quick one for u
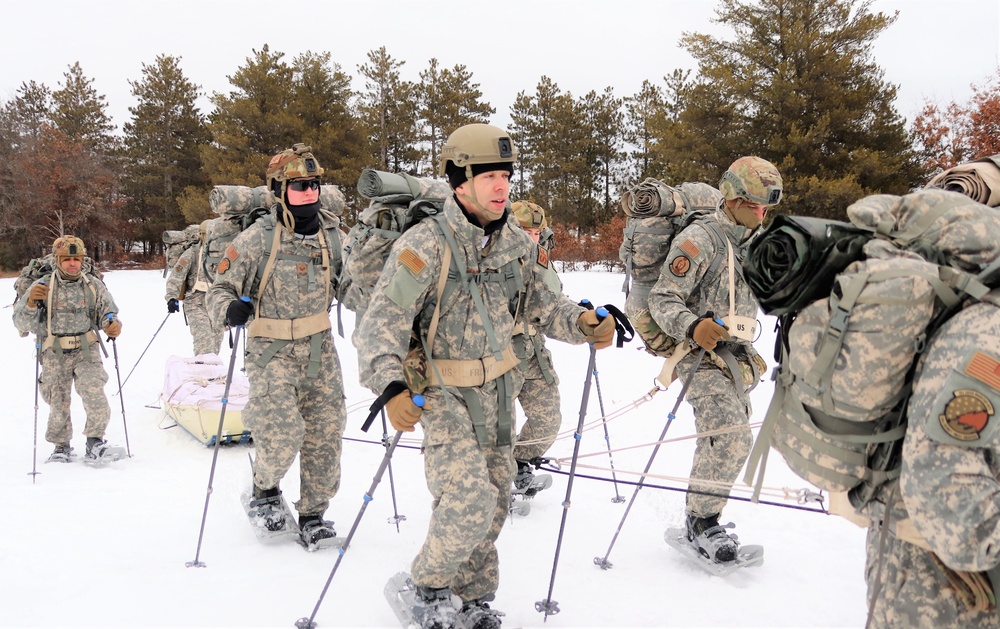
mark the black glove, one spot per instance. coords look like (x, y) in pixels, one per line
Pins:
(173, 306)
(238, 312)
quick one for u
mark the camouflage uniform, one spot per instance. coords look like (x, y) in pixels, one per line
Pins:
(181, 282)
(675, 302)
(77, 306)
(539, 397)
(470, 483)
(296, 403)
(950, 482)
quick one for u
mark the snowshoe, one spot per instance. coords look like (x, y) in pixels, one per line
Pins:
(269, 515)
(521, 508)
(316, 533)
(99, 453)
(706, 543)
(420, 608)
(63, 453)
(527, 484)
(478, 615)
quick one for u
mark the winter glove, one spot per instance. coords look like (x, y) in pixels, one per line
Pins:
(403, 413)
(238, 312)
(172, 306)
(707, 333)
(37, 295)
(600, 333)
(112, 327)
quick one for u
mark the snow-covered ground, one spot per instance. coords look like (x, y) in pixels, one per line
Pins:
(83, 547)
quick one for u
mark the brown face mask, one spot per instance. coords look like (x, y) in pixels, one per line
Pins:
(747, 214)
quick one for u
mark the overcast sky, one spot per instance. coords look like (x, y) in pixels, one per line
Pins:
(935, 50)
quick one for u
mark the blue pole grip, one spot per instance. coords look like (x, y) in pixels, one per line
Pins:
(602, 313)
(245, 299)
(719, 321)
(418, 400)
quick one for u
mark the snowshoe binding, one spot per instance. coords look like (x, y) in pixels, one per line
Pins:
(269, 514)
(63, 453)
(420, 608)
(99, 453)
(316, 533)
(706, 542)
(478, 615)
(519, 507)
(527, 483)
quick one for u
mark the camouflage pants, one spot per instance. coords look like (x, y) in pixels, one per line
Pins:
(290, 413)
(913, 591)
(60, 372)
(717, 458)
(206, 338)
(542, 418)
(470, 486)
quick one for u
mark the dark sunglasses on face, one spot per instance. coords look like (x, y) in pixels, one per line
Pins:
(302, 185)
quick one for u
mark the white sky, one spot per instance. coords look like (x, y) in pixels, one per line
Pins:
(935, 50)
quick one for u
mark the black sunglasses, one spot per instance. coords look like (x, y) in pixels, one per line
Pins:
(302, 185)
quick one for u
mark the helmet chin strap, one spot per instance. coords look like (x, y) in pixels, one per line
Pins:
(286, 215)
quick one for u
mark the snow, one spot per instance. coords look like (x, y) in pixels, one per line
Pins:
(86, 547)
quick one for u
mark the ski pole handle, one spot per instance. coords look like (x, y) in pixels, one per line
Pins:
(601, 313)
(418, 400)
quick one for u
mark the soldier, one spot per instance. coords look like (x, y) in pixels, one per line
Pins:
(65, 309)
(539, 396)
(184, 285)
(932, 558)
(685, 304)
(469, 382)
(287, 264)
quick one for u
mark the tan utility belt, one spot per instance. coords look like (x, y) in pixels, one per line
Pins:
(521, 327)
(201, 286)
(289, 329)
(69, 342)
(471, 373)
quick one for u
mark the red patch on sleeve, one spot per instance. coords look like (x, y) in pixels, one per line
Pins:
(680, 265)
(543, 257)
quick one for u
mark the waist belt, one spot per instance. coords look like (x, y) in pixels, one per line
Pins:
(289, 329)
(201, 286)
(471, 373)
(70, 342)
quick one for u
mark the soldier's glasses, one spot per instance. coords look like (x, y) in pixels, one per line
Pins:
(302, 185)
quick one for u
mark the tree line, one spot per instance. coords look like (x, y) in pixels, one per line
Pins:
(795, 83)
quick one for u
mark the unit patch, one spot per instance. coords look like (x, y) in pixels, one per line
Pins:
(543, 257)
(226, 262)
(409, 258)
(966, 415)
(680, 265)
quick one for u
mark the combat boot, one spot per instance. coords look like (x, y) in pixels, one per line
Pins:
(476, 614)
(434, 609)
(266, 509)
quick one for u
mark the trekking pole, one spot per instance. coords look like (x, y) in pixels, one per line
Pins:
(549, 606)
(396, 518)
(121, 384)
(114, 347)
(603, 562)
(607, 438)
(310, 622)
(38, 361)
(218, 440)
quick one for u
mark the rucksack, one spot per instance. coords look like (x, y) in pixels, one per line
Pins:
(40, 267)
(398, 202)
(847, 360)
(656, 213)
(176, 242)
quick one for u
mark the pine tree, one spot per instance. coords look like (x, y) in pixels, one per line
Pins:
(797, 85)
(81, 113)
(162, 142)
(448, 100)
(389, 110)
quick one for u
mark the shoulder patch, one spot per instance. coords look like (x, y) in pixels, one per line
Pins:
(179, 268)
(985, 369)
(690, 248)
(409, 258)
(966, 414)
(543, 257)
(223, 266)
(680, 265)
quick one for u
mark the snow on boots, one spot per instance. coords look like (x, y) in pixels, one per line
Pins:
(711, 538)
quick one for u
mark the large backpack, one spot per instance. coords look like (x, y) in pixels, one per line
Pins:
(398, 201)
(846, 361)
(656, 213)
(40, 267)
(176, 242)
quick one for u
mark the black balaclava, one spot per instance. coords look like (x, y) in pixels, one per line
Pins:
(306, 217)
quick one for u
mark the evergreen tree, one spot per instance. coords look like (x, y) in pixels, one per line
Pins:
(389, 110)
(604, 168)
(161, 147)
(81, 113)
(23, 116)
(797, 85)
(640, 111)
(448, 100)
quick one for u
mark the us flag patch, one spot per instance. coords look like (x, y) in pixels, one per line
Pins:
(985, 369)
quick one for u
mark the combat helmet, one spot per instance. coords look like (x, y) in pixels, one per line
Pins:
(529, 214)
(68, 247)
(752, 178)
(297, 162)
(473, 149)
